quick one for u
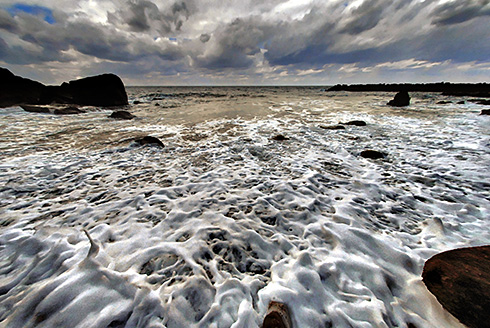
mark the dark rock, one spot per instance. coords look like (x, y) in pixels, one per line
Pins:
(402, 98)
(372, 154)
(460, 280)
(136, 102)
(149, 140)
(462, 102)
(480, 101)
(485, 112)
(15, 90)
(35, 108)
(356, 123)
(333, 127)
(279, 137)
(277, 316)
(70, 110)
(121, 115)
(100, 90)
(444, 102)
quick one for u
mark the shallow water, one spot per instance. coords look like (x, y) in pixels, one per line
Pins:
(206, 231)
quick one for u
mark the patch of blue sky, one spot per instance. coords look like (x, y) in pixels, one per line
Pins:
(44, 12)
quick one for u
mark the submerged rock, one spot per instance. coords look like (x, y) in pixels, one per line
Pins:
(355, 123)
(460, 280)
(70, 110)
(333, 127)
(372, 154)
(149, 140)
(280, 137)
(35, 108)
(401, 99)
(121, 115)
(277, 316)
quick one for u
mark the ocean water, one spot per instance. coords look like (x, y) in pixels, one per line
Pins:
(97, 231)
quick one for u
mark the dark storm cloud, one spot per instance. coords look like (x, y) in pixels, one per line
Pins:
(460, 11)
(365, 17)
(143, 16)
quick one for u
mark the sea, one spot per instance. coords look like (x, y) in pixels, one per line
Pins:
(254, 198)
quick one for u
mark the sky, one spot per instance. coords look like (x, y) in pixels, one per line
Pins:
(247, 42)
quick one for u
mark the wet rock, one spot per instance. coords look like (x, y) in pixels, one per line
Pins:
(444, 102)
(372, 154)
(485, 112)
(149, 140)
(121, 115)
(401, 99)
(333, 127)
(35, 108)
(355, 123)
(277, 316)
(480, 101)
(70, 110)
(280, 137)
(460, 280)
(461, 102)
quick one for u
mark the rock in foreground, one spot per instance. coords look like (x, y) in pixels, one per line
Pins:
(460, 280)
(401, 99)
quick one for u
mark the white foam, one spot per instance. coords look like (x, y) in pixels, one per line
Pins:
(206, 231)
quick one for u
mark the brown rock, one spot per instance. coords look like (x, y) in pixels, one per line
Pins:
(277, 316)
(460, 280)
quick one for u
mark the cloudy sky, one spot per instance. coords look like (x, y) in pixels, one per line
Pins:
(247, 42)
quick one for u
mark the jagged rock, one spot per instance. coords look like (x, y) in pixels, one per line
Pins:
(333, 127)
(460, 280)
(121, 115)
(280, 137)
(485, 112)
(356, 123)
(277, 316)
(149, 140)
(372, 154)
(401, 99)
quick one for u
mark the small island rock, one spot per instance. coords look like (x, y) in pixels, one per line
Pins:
(401, 99)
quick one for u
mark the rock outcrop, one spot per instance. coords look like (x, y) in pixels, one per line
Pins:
(402, 99)
(100, 90)
(460, 280)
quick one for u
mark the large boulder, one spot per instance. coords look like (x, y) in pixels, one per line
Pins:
(100, 90)
(460, 280)
(401, 99)
(15, 90)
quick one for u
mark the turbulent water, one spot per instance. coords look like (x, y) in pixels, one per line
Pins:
(206, 231)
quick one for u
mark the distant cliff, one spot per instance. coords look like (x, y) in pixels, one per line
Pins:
(100, 90)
